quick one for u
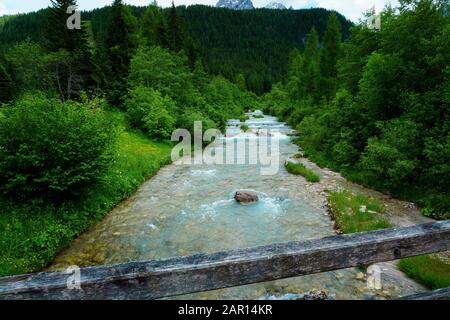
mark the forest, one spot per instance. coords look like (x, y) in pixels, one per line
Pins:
(376, 106)
(86, 115)
(255, 45)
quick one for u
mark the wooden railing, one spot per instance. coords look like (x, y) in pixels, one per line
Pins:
(204, 272)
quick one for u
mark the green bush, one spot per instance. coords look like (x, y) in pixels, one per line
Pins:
(32, 233)
(49, 147)
(300, 169)
(385, 165)
(437, 206)
(150, 111)
(245, 128)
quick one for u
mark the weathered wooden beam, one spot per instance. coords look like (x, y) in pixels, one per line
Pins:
(441, 294)
(203, 272)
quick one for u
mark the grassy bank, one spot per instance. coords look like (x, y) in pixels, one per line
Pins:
(433, 204)
(346, 210)
(300, 169)
(356, 212)
(31, 234)
(427, 270)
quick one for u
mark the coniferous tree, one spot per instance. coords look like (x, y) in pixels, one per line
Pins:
(5, 86)
(175, 30)
(58, 35)
(76, 71)
(311, 63)
(328, 61)
(120, 45)
(150, 22)
(161, 34)
(240, 82)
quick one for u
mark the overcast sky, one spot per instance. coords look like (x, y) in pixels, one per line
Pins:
(352, 9)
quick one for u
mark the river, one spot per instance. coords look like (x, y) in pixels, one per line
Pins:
(187, 209)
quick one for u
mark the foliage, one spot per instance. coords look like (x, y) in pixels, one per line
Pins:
(151, 112)
(31, 234)
(49, 147)
(380, 115)
(5, 86)
(245, 128)
(300, 169)
(254, 43)
(119, 43)
(428, 270)
(356, 212)
(329, 55)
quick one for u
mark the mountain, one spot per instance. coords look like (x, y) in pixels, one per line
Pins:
(275, 5)
(235, 4)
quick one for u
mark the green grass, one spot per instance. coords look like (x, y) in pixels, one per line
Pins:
(345, 210)
(31, 234)
(344, 207)
(429, 271)
(300, 169)
(245, 128)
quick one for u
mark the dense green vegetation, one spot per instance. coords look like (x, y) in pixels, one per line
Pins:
(84, 121)
(300, 169)
(428, 270)
(251, 48)
(376, 106)
(356, 212)
(33, 230)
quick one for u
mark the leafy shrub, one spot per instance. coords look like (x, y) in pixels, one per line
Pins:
(437, 206)
(386, 166)
(151, 112)
(192, 116)
(48, 147)
(344, 153)
(437, 161)
(245, 128)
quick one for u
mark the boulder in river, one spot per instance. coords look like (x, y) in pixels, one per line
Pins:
(246, 197)
(314, 295)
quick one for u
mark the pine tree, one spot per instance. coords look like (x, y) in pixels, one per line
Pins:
(58, 35)
(311, 62)
(328, 61)
(150, 22)
(161, 34)
(240, 82)
(5, 86)
(120, 45)
(79, 72)
(175, 30)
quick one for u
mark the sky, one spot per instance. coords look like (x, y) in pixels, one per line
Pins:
(352, 9)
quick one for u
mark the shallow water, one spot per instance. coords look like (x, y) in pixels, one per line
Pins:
(188, 209)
